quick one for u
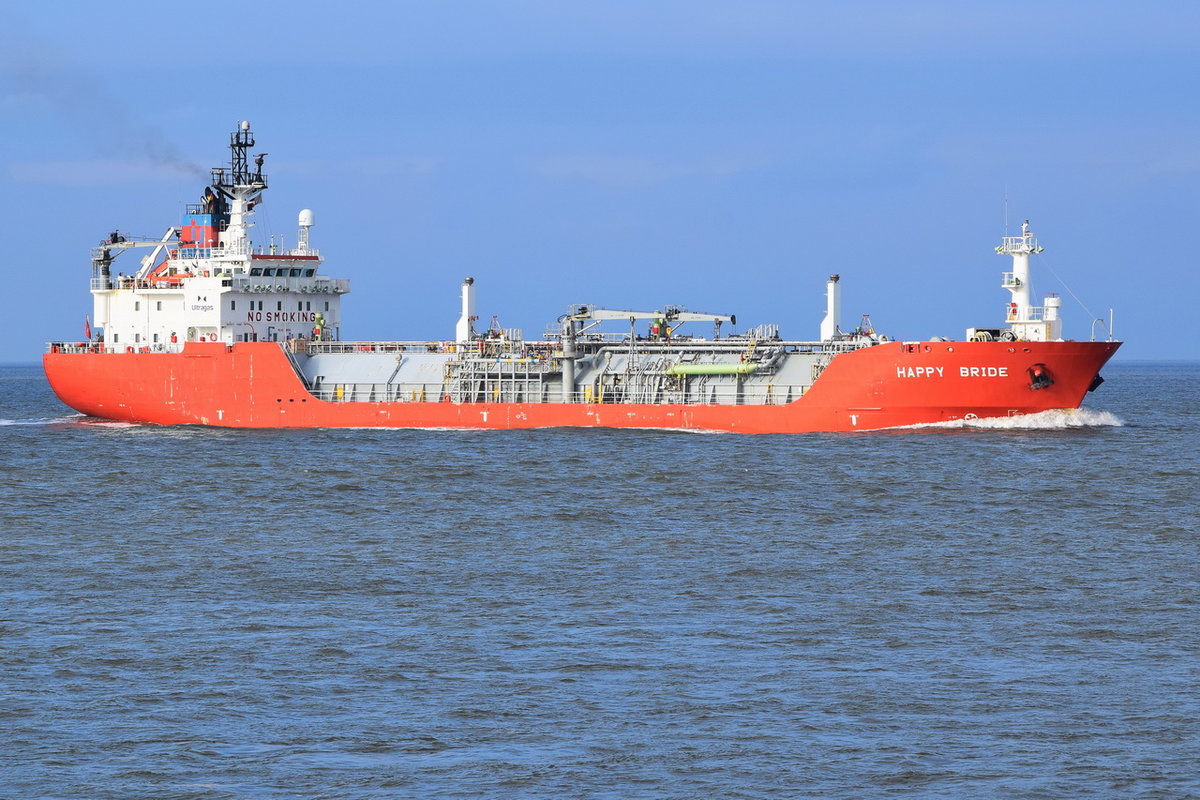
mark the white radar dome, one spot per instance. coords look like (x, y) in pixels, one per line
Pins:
(306, 218)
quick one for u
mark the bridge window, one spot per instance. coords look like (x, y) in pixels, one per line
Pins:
(308, 273)
(256, 271)
(296, 273)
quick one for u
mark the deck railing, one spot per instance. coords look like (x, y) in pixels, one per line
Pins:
(106, 347)
(756, 395)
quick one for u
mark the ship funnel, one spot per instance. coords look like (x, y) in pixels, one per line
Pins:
(465, 330)
(833, 309)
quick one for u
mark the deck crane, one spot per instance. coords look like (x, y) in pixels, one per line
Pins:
(103, 255)
(585, 317)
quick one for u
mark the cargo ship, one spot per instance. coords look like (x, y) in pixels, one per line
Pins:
(211, 328)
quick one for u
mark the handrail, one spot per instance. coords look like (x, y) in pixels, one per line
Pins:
(361, 392)
(108, 347)
(728, 345)
(517, 353)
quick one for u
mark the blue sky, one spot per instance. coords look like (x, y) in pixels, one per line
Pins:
(723, 156)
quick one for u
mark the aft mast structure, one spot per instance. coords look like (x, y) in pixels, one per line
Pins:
(241, 188)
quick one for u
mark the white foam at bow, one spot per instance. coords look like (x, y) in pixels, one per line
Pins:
(1059, 419)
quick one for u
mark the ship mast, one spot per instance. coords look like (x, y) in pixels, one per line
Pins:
(1028, 322)
(241, 187)
(1017, 282)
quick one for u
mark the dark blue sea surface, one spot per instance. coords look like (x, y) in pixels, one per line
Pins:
(1010, 610)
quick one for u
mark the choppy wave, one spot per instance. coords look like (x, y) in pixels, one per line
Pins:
(1058, 419)
(76, 420)
(92, 422)
(42, 421)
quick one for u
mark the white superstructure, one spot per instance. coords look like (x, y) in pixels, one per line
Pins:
(207, 281)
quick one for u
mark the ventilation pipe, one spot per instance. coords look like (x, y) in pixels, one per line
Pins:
(833, 309)
(465, 330)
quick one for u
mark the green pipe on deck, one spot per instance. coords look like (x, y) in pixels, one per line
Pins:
(742, 368)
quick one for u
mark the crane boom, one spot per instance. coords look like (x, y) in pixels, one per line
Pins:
(670, 314)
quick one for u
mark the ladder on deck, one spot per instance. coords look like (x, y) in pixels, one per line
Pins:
(751, 348)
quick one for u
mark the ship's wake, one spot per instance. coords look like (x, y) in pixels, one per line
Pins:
(77, 419)
(1057, 419)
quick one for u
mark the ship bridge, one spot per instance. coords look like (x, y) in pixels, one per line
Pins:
(204, 280)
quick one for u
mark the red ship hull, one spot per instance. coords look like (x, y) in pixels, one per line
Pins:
(253, 385)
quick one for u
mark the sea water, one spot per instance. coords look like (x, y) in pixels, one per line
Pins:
(997, 609)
